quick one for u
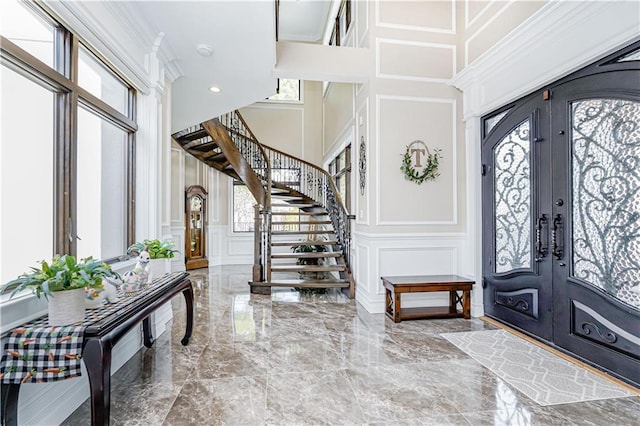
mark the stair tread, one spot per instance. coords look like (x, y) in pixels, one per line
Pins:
(301, 222)
(299, 213)
(298, 205)
(303, 283)
(309, 255)
(302, 243)
(303, 232)
(307, 268)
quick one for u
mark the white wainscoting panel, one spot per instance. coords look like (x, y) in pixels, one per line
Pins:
(409, 254)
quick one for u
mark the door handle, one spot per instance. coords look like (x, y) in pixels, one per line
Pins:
(542, 248)
(557, 237)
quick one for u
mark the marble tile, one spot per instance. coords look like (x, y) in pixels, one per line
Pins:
(297, 359)
(228, 401)
(449, 420)
(146, 404)
(312, 398)
(619, 412)
(232, 360)
(296, 329)
(303, 356)
(396, 393)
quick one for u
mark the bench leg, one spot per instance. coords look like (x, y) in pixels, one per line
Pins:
(466, 300)
(188, 298)
(453, 301)
(396, 307)
(97, 359)
(10, 393)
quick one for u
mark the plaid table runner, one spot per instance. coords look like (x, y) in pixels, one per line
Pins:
(42, 354)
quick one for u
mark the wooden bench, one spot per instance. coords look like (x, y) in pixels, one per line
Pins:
(101, 336)
(395, 286)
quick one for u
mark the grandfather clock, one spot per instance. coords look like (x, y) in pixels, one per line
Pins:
(196, 212)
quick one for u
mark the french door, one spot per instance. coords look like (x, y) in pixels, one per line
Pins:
(561, 214)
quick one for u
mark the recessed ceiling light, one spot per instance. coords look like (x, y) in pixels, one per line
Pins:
(204, 50)
(214, 89)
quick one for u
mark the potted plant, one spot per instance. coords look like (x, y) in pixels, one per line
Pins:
(63, 282)
(310, 247)
(159, 252)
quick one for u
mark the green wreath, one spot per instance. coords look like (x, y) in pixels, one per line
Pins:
(430, 171)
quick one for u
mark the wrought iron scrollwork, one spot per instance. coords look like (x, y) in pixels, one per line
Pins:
(276, 166)
(609, 336)
(512, 201)
(606, 196)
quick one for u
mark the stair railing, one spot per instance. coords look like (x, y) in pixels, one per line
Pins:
(313, 181)
(255, 157)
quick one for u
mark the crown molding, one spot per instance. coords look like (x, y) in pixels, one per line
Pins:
(560, 38)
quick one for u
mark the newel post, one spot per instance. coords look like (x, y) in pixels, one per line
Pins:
(257, 246)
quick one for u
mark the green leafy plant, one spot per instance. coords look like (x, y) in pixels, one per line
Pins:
(62, 273)
(430, 171)
(157, 249)
(309, 248)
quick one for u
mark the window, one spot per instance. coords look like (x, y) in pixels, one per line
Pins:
(288, 90)
(29, 29)
(341, 25)
(340, 169)
(243, 208)
(26, 201)
(66, 152)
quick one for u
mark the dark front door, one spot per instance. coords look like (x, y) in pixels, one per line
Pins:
(561, 214)
(516, 192)
(596, 216)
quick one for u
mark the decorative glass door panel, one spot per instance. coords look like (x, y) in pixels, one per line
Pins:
(512, 215)
(606, 196)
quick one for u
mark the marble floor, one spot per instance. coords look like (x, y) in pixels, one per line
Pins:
(292, 359)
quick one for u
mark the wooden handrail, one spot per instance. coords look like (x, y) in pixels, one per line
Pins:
(219, 133)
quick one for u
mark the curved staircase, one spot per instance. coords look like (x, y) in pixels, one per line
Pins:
(301, 239)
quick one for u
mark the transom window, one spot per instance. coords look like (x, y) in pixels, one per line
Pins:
(288, 90)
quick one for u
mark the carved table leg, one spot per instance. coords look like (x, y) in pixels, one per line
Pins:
(10, 392)
(97, 359)
(188, 298)
(146, 332)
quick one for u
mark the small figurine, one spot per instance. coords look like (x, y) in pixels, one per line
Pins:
(131, 283)
(108, 292)
(143, 267)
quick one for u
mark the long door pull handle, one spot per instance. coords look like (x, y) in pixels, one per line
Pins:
(542, 247)
(557, 238)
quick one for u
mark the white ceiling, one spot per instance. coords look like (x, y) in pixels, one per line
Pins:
(242, 36)
(303, 20)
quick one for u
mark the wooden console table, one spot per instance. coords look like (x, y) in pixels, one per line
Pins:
(395, 286)
(102, 334)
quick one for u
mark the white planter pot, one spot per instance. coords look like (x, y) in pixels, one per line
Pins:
(66, 307)
(158, 268)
